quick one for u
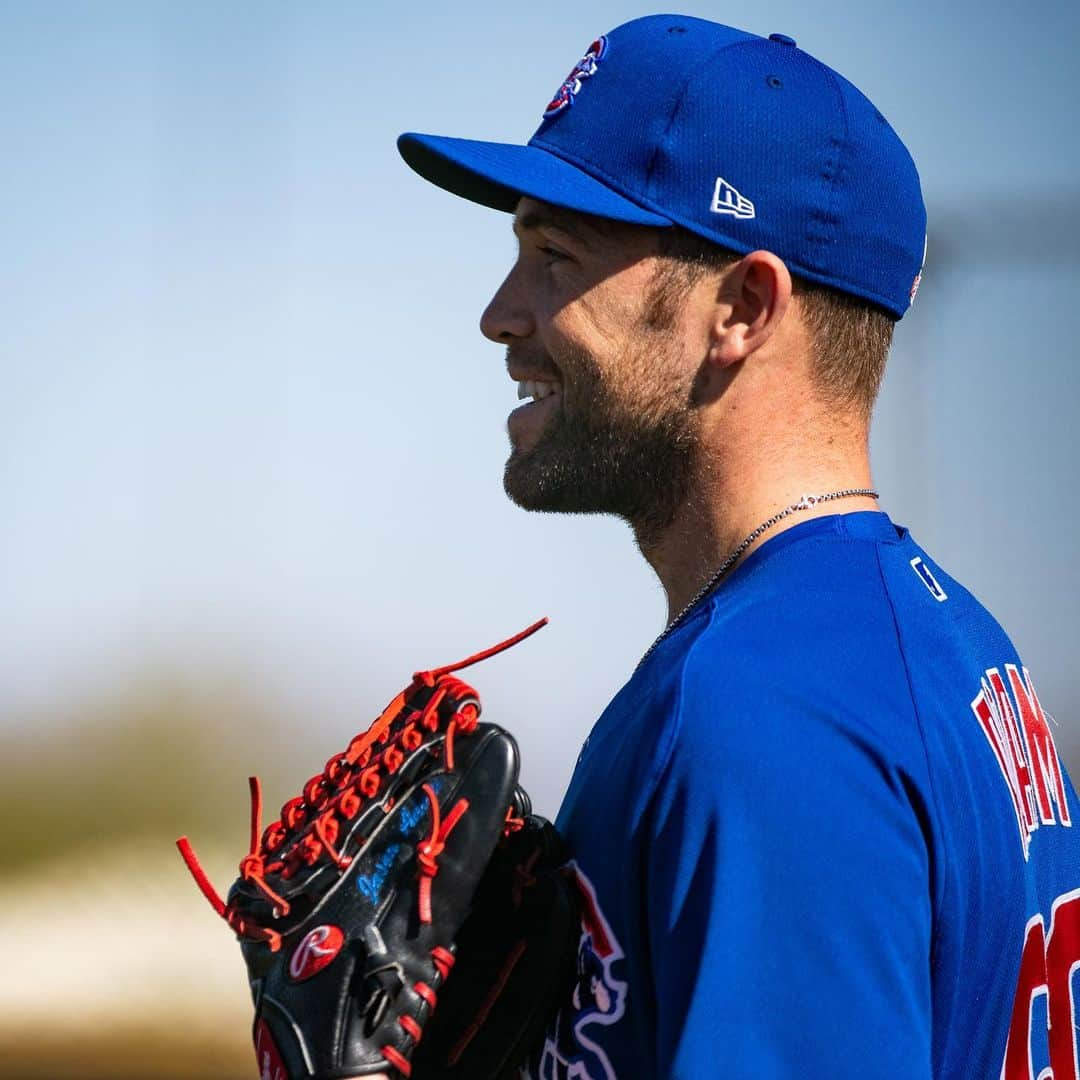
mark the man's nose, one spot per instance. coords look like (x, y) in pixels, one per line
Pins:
(507, 317)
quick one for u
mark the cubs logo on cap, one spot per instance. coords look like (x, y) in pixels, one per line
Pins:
(571, 86)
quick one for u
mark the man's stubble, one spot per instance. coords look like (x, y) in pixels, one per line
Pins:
(623, 441)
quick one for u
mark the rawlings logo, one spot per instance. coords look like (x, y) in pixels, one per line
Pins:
(571, 86)
(317, 949)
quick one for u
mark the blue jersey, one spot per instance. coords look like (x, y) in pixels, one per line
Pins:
(824, 831)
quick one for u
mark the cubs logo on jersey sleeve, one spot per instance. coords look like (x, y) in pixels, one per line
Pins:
(572, 1048)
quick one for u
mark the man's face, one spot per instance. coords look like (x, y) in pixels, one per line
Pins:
(604, 355)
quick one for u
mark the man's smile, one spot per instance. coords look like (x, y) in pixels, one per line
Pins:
(539, 385)
(535, 389)
(542, 398)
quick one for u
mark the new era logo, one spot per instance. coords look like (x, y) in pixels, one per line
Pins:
(728, 200)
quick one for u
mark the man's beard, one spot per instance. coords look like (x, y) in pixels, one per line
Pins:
(624, 443)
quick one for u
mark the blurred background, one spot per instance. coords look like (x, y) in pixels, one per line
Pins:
(251, 444)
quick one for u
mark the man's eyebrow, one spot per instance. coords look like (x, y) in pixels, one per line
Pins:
(538, 219)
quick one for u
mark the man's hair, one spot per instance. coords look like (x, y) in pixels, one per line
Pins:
(850, 336)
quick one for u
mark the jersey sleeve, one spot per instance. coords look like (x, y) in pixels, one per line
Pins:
(787, 890)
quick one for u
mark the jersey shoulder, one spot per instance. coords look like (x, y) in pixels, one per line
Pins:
(803, 637)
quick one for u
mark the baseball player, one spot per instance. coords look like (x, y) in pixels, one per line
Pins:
(823, 830)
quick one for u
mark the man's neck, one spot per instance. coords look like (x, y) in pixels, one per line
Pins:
(717, 517)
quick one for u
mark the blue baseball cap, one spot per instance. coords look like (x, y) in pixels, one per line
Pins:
(746, 141)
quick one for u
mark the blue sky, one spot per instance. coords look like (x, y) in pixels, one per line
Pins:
(250, 426)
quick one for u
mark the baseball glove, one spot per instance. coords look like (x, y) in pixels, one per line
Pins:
(406, 892)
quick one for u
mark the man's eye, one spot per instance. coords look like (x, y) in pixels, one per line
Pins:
(552, 253)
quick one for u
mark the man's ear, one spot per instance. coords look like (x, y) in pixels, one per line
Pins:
(752, 300)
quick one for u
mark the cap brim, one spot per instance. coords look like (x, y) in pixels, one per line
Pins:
(498, 174)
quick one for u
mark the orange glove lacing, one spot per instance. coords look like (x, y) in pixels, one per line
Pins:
(311, 823)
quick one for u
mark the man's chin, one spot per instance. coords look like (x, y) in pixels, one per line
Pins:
(538, 485)
(522, 483)
(556, 481)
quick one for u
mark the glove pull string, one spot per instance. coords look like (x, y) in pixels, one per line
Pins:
(255, 789)
(485, 654)
(251, 865)
(187, 853)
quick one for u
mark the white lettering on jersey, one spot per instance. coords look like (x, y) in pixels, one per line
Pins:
(1024, 748)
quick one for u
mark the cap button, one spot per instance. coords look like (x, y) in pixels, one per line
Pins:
(783, 39)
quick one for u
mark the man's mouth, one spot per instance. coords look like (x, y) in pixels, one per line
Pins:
(536, 389)
(539, 397)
